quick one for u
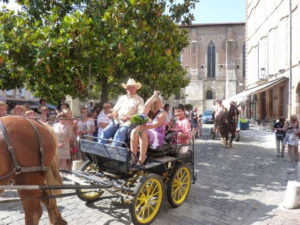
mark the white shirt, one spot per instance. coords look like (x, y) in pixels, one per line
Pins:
(86, 125)
(102, 118)
(128, 105)
(218, 109)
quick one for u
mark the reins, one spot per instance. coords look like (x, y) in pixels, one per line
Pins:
(17, 168)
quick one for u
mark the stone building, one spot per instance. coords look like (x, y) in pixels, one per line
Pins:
(215, 63)
(272, 59)
(19, 96)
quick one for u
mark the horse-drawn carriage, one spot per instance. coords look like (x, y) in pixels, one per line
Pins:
(142, 188)
(108, 169)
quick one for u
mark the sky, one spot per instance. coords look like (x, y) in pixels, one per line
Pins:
(219, 11)
(210, 11)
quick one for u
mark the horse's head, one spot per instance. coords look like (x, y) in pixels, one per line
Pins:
(233, 110)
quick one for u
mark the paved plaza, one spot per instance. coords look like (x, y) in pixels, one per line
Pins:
(239, 186)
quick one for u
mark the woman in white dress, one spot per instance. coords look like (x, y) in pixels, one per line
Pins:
(63, 131)
(291, 139)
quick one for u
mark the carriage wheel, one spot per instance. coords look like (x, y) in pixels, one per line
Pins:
(89, 195)
(179, 185)
(147, 201)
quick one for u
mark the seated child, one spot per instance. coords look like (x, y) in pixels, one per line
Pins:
(182, 126)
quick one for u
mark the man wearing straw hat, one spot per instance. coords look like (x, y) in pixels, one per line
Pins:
(127, 106)
(3, 108)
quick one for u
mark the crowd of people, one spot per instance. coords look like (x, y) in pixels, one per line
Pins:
(112, 123)
(67, 128)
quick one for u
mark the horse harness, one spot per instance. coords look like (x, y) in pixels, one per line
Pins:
(17, 168)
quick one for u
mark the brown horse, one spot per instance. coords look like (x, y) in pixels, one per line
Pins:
(227, 122)
(26, 147)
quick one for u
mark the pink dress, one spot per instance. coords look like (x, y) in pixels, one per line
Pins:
(183, 126)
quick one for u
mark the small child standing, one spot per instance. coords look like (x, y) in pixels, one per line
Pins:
(199, 121)
(182, 126)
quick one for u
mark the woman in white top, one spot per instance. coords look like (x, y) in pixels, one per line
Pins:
(85, 125)
(103, 120)
(291, 138)
(63, 131)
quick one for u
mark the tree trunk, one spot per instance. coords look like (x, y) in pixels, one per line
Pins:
(104, 91)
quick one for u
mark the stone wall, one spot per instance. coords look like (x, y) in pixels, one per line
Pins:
(229, 79)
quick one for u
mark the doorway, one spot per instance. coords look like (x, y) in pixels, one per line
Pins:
(263, 111)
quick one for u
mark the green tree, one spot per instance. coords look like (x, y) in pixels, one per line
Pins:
(51, 47)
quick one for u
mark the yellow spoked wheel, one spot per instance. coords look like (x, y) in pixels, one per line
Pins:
(147, 201)
(179, 185)
(89, 195)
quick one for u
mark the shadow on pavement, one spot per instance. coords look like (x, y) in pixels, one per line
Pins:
(112, 207)
(238, 186)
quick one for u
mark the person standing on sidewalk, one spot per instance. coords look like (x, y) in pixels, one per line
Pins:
(85, 125)
(291, 139)
(194, 121)
(62, 129)
(279, 136)
(103, 120)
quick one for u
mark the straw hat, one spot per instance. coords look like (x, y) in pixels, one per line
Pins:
(132, 82)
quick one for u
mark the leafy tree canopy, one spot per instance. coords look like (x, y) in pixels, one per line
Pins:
(81, 48)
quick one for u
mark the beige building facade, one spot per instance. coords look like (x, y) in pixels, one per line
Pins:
(215, 63)
(273, 58)
(18, 96)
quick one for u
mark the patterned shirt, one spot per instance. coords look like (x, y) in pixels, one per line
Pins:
(183, 126)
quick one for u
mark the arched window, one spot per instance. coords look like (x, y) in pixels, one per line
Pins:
(209, 95)
(211, 60)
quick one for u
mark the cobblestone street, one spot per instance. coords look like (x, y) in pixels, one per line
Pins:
(239, 186)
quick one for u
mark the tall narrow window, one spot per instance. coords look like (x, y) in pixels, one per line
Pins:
(211, 60)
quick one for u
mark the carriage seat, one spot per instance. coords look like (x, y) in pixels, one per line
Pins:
(163, 150)
(168, 147)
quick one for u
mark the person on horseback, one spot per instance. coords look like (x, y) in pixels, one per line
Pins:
(219, 107)
(227, 123)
